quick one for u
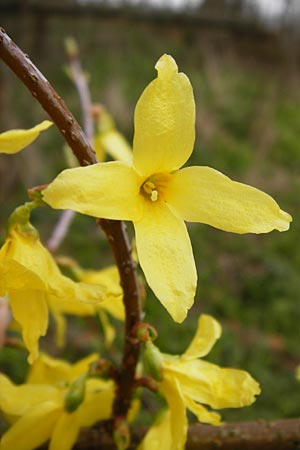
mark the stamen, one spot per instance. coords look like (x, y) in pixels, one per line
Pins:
(148, 187)
(154, 195)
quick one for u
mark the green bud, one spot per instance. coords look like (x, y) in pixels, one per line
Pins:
(75, 394)
(153, 360)
(20, 219)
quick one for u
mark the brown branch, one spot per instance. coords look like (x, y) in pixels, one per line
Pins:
(115, 230)
(259, 435)
(41, 89)
(118, 239)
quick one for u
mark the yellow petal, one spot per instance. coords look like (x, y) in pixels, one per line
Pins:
(108, 329)
(14, 276)
(30, 310)
(166, 257)
(50, 370)
(17, 399)
(65, 432)
(15, 140)
(202, 413)
(116, 146)
(110, 279)
(202, 194)
(212, 385)
(178, 420)
(159, 436)
(164, 121)
(82, 366)
(107, 190)
(208, 332)
(33, 429)
(98, 402)
(61, 327)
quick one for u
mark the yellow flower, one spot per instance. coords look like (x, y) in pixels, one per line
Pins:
(32, 280)
(157, 197)
(13, 141)
(159, 435)
(37, 409)
(112, 302)
(189, 382)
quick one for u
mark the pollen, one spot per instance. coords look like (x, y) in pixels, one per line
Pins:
(153, 188)
(154, 195)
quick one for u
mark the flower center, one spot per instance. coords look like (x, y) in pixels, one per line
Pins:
(154, 187)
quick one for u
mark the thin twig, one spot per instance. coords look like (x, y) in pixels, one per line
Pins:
(80, 81)
(60, 230)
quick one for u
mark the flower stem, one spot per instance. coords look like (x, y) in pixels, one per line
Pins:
(118, 238)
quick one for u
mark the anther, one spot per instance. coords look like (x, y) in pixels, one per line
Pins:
(154, 195)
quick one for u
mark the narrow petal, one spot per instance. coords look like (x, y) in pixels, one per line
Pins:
(159, 435)
(208, 332)
(15, 400)
(178, 420)
(166, 257)
(60, 328)
(110, 279)
(218, 387)
(108, 330)
(98, 402)
(33, 429)
(116, 146)
(202, 413)
(15, 140)
(50, 370)
(202, 194)
(30, 310)
(107, 190)
(164, 121)
(65, 432)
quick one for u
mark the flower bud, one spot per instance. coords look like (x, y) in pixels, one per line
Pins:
(153, 360)
(75, 394)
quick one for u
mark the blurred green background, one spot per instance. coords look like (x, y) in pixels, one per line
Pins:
(246, 81)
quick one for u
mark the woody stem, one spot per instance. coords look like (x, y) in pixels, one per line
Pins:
(115, 231)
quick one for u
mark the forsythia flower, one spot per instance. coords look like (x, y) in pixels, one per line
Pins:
(157, 197)
(13, 141)
(112, 302)
(38, 410)
(32, 281)
(189, 382)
